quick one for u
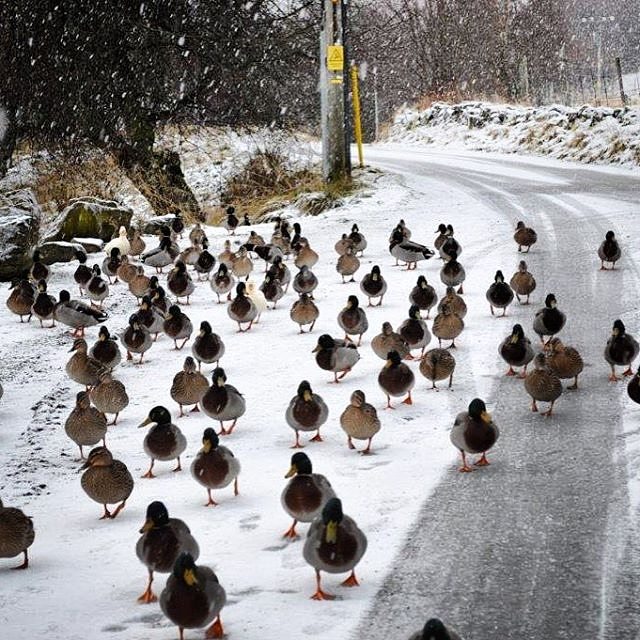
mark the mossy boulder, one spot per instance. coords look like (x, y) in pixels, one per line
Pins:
(20, 217)
(90, 218)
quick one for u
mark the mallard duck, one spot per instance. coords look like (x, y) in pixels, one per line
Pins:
(565, 361)
(242, 309)
(255, 239)
(258, 298)
(106, 480)
(406, 233)
(44, 305)
(414, 330)
(334, 544)
(306, 255)
(622, 349)
(373, 285)
(436, 365)
(227, 256)
(450, 246)
(39, 270)
(190, 255)
(164, 441)
(347, 264)
(197, 234)
(272, 290)
(524, 236)
(205, 262)
(207, 346)
(82, 274)
(499, 294)
(396, 379)
(442, 236)
(549, 320)
(353, 320)
(633, 388)
(82, 368)
(281, 237)
(193, 597)
(188, 386)
(163, 539)
(242, 265)
(97, 287)
(305, 281)
(336, 355)
(408, 251)
(126, 271)
(522, 282)
(267, 252)
(455, 302)
(159, 302)
(21, 299)
(111, 264)
(137, 244)
(452, 273)
(121, 242)
(358, 240)
(215, 466)
(305, 494)
(434, 629)
(76, 314)
(150, 316)
(516, 351)
(307, 411)
(343, 244)
(223, 402)
(609, 251)
(16, 534)
(447, 326)
(139, 284)
(222, 282)
(360, 421)
(474, 431)
(177, 224)
(180, 282)
(231, 220)
(542, 384)
(136, 339)
(161, 256)
(86, 425)
(297, 235)
(109, 396)
(177, 326)
(423, 295)
(304, 311)
(389, 340)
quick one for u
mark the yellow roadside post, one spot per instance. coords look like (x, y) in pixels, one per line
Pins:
(357, 124)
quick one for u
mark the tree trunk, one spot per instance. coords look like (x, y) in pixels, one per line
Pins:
(8, 140)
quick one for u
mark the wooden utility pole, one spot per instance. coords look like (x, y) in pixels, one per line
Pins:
(623, 97)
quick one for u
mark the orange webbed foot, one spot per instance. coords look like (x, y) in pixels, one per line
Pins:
(322, 595)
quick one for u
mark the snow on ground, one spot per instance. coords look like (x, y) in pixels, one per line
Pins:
(586, 134)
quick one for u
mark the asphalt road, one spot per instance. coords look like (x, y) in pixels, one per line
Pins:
(543, 544)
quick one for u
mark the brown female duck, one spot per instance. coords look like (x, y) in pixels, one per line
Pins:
(304, 311)
(21, 299)
(436, 365)
(564, 360)
(414, 330)
(522, 282)
(81, 367)
(109, 396)
(177, 326)
(542, 384)
(16, 534)
(222, 282)
(389, 340)
(360, 421)
(188, 386)
(86, 425)
(524, 236)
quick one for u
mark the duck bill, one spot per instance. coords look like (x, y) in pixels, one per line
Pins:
(147, 526)
(316, 349)
(292, 471)
(485, 417)
(190, 577)
(331, 534)
(145, 423)
(206, 446)
(307, 396)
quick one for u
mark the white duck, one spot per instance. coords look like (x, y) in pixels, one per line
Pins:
(256, 295)
(121, 242)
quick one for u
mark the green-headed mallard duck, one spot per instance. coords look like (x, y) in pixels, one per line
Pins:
(305, 494)
(306, 255)
(423, 295)
(499, 294)
(279, 271)
(126, 271)
(633, 388)
(373, 285)
(205, 262)
(44, 305)
(111, 264)
(207, 346)
(348, 264)
(231, 221)
(16, 534)
(109, 396)
(447, 325)
(150, 316)
(336, 355)
(159, 301)
(442, 236)
(524, 236)
(223, 402)
(81, 367)
(106, 480)
(136, 339)
(76, 314)
(414, 330)
(163, 539)
(516, 351)
(304, 311)
(396, 379)
(449, 246)
(522, 282)
(139, 284)
(474, 431)
(609, 251)
(360, 421)
(188, 386)
(164, 441)
(21, 298)
(452, 273)
(86, 425)
(549, 320)
(357, 238)
(242, 309)
(436, 365)
(222, 282)
(160, 257)
(305, 281)
(242, 264)
(622, 349)
(407, 251)
(542, 384)
(353, 320)
(39, 270)
(334, 544)
(180, 282)
(193, 597)
(83, 273)
(272, 289)
(435, 629)
(307, 411)
(177, 224)
(388, 340)
(215, 466)
(177, 326)
(97, 287)
(406, 232)
(564, 360)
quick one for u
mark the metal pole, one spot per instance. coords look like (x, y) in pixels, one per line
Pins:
(357, 122)
(347, 111)
(623, 97)
(376, 115)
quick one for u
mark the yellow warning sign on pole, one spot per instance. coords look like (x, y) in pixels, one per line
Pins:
(335, 57)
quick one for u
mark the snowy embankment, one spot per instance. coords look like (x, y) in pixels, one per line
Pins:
(585, 134)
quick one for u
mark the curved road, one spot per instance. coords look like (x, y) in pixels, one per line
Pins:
(544, 545)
